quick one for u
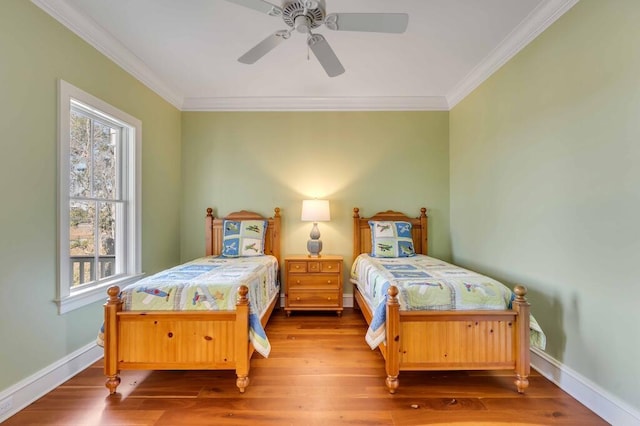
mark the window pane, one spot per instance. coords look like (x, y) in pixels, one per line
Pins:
(99, 197)
(104, 155)
(80, 156)
(107, 228)
(82, 241)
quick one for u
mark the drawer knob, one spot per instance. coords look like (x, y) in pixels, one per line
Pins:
(329, 267)
(297, 281)
(297, 266)
(298, 298)
(328, 281)
(328, 298)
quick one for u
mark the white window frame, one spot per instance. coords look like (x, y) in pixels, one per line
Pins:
(69, 299)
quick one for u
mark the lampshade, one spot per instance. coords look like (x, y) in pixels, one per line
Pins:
(315, 211)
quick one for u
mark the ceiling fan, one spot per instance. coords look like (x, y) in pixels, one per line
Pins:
(305, 15)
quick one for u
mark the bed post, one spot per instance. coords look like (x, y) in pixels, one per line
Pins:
(356, 233)
(392, 360)
(275, 248)
(209, 232)
(523, 362)
(242, 339)
(111, 309)
(424, 242)
(356, 249)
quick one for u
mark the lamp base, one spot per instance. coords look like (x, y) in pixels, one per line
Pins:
(314, 247)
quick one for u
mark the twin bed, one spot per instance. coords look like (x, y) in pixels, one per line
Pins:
(208, 314)
(426, 314)
(423, 313)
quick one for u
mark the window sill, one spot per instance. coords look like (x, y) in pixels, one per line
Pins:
(86, 297)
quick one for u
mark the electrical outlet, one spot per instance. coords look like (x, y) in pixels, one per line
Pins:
(6, 405)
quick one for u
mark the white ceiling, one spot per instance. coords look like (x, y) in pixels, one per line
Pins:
(187, 50)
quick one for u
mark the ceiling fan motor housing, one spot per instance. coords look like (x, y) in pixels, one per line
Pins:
(293, 13)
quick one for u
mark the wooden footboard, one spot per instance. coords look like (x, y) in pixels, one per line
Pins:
(454, 340)
(188, 340)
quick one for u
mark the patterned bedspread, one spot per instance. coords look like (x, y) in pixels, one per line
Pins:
(210, 283)
(427, 283)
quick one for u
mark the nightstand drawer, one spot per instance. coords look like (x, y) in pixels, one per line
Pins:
(312, 266)
(330, 266)
(314, 280)
(314, 299)
(297, 267)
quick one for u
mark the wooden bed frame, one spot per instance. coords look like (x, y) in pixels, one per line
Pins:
(445, 340)
(187, 340)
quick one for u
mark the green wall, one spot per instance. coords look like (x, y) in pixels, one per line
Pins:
(370, 160)
(536, 170)
(36, 51)
(544, 187)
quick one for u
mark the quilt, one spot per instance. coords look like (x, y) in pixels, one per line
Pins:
(427, 283)
(210, 283)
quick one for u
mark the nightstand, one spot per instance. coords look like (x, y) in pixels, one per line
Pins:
(313, 283)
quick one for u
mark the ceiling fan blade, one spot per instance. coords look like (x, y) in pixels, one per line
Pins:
(262, 48)
(325, 55)
(372, 22)
(260, 6)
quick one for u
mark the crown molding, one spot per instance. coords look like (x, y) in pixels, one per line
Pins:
(379, 103)
(537, 21)
(541, 18)
(92, 33)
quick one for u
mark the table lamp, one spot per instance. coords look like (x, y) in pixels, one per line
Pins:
(315, 211)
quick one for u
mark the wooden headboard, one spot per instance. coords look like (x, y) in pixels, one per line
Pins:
(214, 234)
(362, 231)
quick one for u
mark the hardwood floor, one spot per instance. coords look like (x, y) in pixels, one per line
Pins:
(320, 372)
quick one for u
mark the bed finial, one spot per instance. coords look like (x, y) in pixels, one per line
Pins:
(392, 291)
(242, 299)
(423, 212)
(114, 294)
(520, 291)
(209, 212)
(356, 213)
(277, 212)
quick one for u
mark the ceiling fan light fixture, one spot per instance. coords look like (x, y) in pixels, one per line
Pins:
(302, 24)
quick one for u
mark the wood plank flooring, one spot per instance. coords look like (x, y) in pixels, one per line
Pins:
(320, 372)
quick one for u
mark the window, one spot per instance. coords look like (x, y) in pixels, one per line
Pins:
(99, 198)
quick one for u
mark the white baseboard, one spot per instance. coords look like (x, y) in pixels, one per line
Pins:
(347, 300)
(601, 402)
(39, 384)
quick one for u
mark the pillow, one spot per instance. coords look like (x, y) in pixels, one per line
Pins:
(391, 239)
(243, 238)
